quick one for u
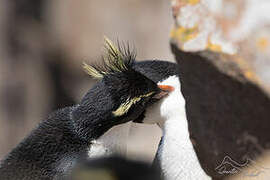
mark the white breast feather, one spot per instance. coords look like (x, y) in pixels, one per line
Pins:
(176, 154)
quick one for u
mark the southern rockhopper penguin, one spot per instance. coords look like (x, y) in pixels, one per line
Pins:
(53, 148)
(175, 156)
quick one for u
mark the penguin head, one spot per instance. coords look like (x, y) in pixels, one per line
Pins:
(122, 93)
(171, 106)
(163, 73)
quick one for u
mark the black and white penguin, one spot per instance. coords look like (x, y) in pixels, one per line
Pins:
(175, 156)
(121, 95)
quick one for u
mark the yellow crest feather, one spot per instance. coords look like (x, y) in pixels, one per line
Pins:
(116, 59)
(124, 107)
(92, 71)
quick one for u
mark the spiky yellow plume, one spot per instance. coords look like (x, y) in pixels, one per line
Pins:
(116, 59)
(92, 71)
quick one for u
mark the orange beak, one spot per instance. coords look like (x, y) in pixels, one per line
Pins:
(165, 89)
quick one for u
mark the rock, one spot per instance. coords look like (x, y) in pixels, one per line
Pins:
(223, 58)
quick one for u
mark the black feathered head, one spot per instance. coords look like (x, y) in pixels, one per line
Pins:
(122, 94)
(127, 86)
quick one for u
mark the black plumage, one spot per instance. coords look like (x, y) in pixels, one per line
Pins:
(156, 70)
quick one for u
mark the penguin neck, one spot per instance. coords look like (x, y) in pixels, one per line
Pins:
(175, 130)
(177, 157)
(92, 117)
(88, 125)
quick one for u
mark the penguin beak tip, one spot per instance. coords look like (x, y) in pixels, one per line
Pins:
(165, 90)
